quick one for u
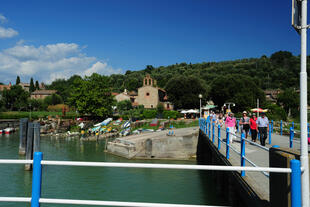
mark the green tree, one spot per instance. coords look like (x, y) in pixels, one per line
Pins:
(54, 99)
(17, 80)
(123, 106)
(289, 99)
(240, 89)
(64, 87)
(149, 69)
(160, 108)
(37, 86)
(15, 99)
(37, 104)
(183, 91)
(92, 95)
(31, 87)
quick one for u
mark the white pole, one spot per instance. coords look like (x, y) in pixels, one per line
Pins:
(257, 113)
(303, 107)
(200, 109)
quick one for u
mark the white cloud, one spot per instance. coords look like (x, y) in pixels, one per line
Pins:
(7, 32)
(3, 19)
(49, 62)
(101, 68)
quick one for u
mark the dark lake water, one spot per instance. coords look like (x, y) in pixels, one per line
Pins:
(94, 183)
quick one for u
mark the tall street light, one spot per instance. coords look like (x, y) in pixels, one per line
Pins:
(200, 97)
(299, 22)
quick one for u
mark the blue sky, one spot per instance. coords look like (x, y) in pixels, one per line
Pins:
(56, 39)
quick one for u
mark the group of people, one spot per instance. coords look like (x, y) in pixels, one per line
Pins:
(255, 125)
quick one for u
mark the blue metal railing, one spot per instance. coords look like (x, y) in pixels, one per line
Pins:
(294, 164)
(229, 137)
(38, 161)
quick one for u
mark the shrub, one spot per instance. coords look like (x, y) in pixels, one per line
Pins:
(149, 114)
(53, 99)
(171, 114)
(276, 112)
(58, 107)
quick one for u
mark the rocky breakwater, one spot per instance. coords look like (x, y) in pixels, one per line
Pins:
(157, 145)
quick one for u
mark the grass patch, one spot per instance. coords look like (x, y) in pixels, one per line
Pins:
(33, 114)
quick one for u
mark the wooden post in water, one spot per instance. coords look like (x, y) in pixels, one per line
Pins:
(29, 146)
(36, 137)
(23, 125)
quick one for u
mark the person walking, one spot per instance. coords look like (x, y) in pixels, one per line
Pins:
(221, 120)
(253, 127)
(245, 124)
(263, 126)
(230, 123)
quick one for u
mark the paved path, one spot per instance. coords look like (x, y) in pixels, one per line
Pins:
(257, 180)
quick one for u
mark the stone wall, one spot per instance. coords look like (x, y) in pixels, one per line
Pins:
(229, 184)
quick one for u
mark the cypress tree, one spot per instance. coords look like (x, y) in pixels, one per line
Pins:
(31, 88)
(17, 80)
(37, 85)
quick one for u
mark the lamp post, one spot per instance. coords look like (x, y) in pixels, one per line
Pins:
(200, 97)
(299, 22)
(228, 104)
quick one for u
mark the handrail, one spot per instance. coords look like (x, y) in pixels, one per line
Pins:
(4, 161)
(37, 175)
(257, 145)
(113, 203)
(149, 165)
(95, 202)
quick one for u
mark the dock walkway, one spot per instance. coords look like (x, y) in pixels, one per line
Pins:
(257, 180)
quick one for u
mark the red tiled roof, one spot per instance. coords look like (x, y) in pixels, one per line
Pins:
(2, 87)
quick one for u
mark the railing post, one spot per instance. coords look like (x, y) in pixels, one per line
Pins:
(293, 125)
(219, 137)
(281, 128)
(213, 132)
(295, 183)
(270, 131)
(206, 127)
(272, 126)
(291, 137)
(209, 132)
(227, 143)
(36, 179)
(258, 135)
(242, 155)
(238, 126)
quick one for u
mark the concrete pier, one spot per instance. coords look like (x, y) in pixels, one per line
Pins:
(157, 145)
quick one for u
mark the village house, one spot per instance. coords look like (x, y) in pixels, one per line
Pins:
(42, 94)
(149, 95)
(25, 86)
(272, 95)
(130, 96)
(2, 87)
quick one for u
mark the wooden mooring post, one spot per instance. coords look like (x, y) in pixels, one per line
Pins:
(32, 142)
(23, 126)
